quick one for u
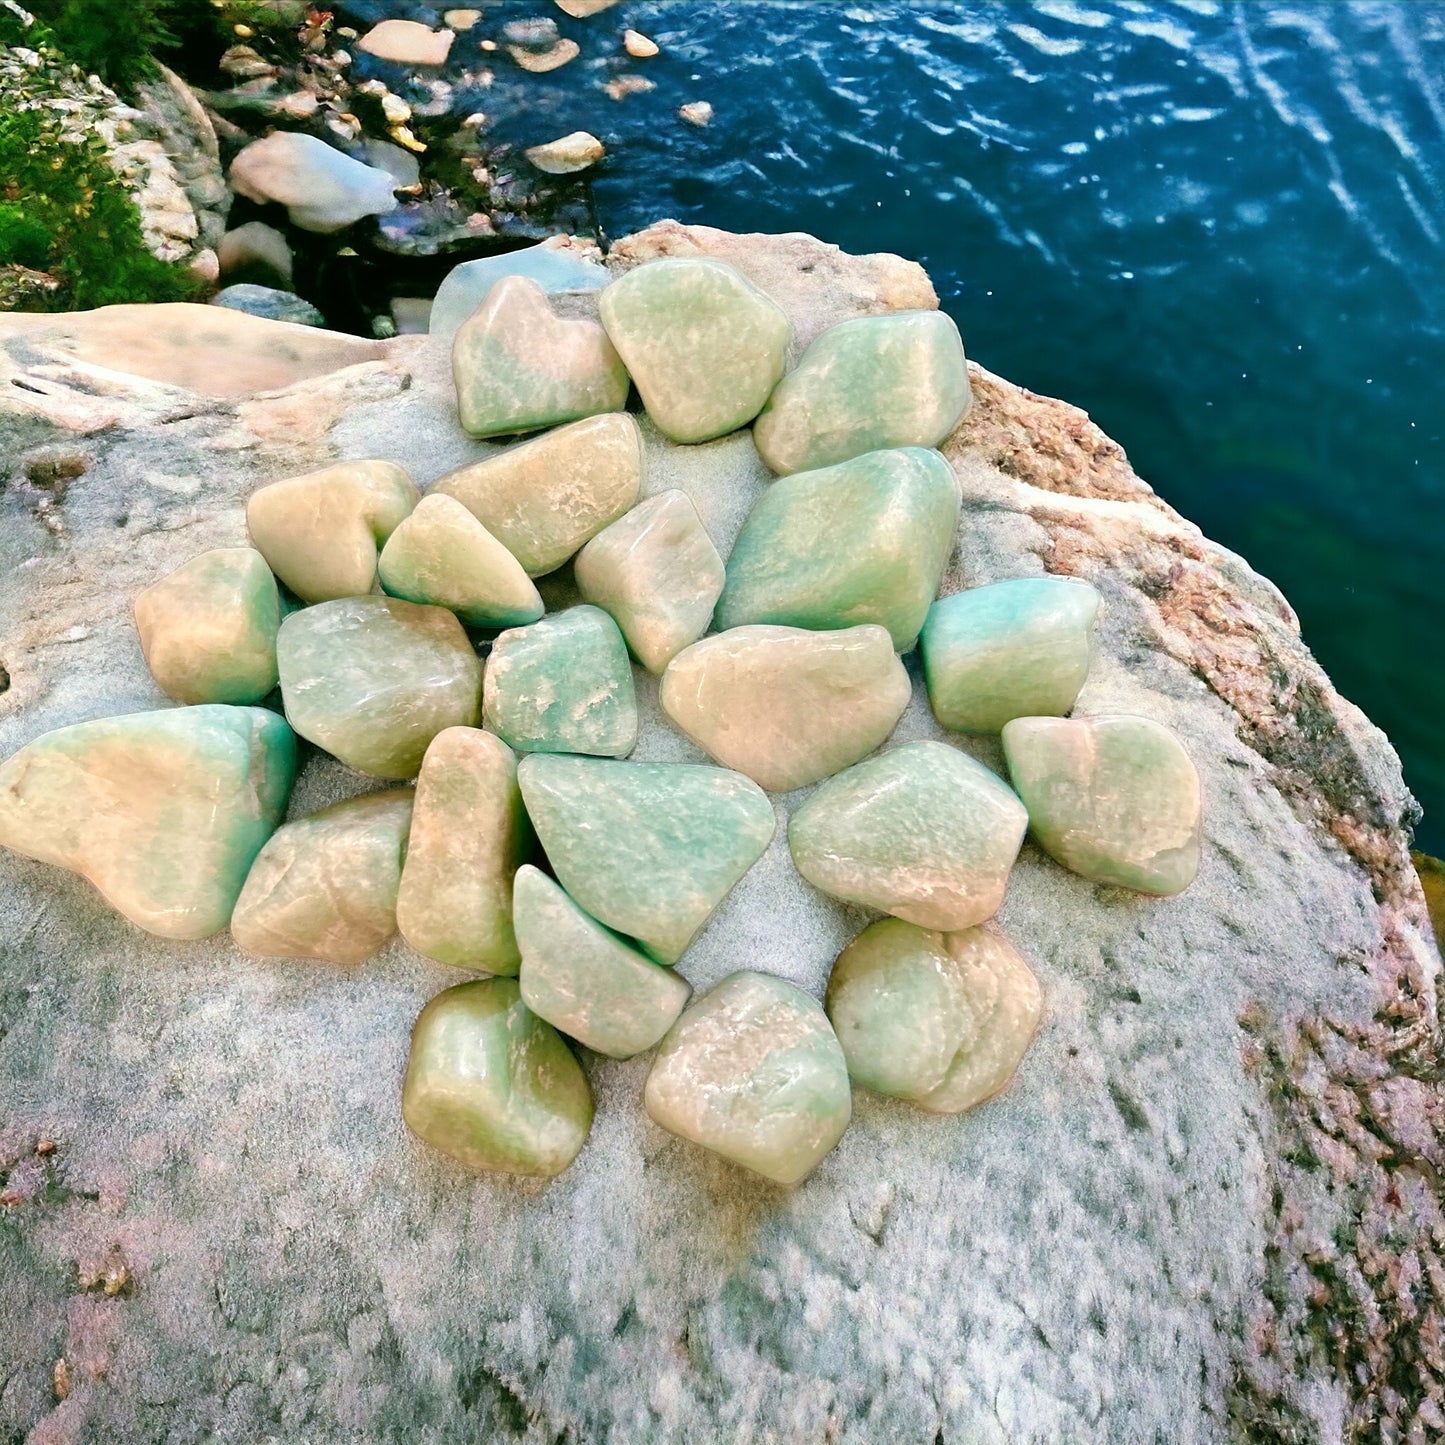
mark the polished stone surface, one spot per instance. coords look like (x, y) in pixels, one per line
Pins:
(754, 1072)
(491, 1084)
(553, 265)
(442, 555)
(162, 811)
(208, 629)
(1020, 648)
(703, 344)
(940, 1019)
(864, 385)
(517, 365)
(568, 154)
(1113, 798)
(544, 498)
(322, 188)
(325, 886)
(320, 532)
(562, 685)
(469, 834)
(658, 573)
(374, 679)
(649, 849)
(786, 706)
(922, 831)
(586, 981)
(864, 541)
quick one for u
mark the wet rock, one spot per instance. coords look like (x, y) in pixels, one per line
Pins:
(568, 154)
(638, 45)
(269, 303)
(539, 62)
(407, 42)
(696, 112)
(256, 248)
(582, 9)
(322, 188)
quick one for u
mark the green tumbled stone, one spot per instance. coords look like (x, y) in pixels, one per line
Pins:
(325, 886)
(585, 980)
(940, 1019)
(469, 834)
(864, 541)
(784, 705)
(543, 499)
(649, 849)
(562, 685)
(1113, 798)
(923, 832)
(703, 344)
(443, 556)
(491, 1084)
(320, 533)
(657, 573)
(863, 385)
(518, 365)
(208, 630)
(754, 1072)
(373, 680)
(1011, 649)
(162, 811)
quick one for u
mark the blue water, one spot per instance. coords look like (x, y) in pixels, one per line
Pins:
(1218, 227)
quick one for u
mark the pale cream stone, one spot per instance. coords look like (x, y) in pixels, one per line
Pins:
(696, 112)
(581, 9)
(638, 45)
(786, 706)
(569, 153)
(322, 188)
(539, 62)
(407, 42)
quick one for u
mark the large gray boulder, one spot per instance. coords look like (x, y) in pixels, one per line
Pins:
(1205, 1210)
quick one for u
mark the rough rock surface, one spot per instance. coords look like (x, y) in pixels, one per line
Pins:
(1206, 1209)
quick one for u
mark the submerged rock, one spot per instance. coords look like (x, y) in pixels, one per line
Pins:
(568, 154)
(555, 265)
(269, 304)
(540, 61)
(322, 188)
(696, 112)
(162, 811)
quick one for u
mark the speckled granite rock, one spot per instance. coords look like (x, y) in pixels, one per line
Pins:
(1230, 1112)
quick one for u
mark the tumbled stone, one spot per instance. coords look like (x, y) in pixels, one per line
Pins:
(586, 981)
(320, 532)
(638, 45)
(491, 1084)
(553, 266)
(562, 685)
(567, 154)
(703, 344)
(407, 42)
(1113, 798)
(443, 556)
(1012, 649)
(923, 832)
(518, 366)
(656, 571)
(540, 61)
(784, 705)
(696, 112)
(208, 629)
(865, 385)
(322, 188)
(268, 303)
(374, 679)
(543, 499)
(256, 251)
(649, 849)
(469, 834)
(940, 1019)
(754, 1072)
(325, 886)
(162, 811)
(581, 9)
(864, 541)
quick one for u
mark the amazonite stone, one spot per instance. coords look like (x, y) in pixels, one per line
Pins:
(784, 705)
(1012, 649)
(864, 541)
(586, 981)
(543, 499)
(649, 849)
(325, 886)
(320, 533)
(518, 366)
(162, 811)
(754, 1072)
(373, 680)
(469, 835)
(491, 1084)
(703, 344)
(555, 264)
(939, 1019)
(864, 385)
(208, 629)
(657, 573)
(562, 685)
(922, 832)
(441, 555)
(1113, 798)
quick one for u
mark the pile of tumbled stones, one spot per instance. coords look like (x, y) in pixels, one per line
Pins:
(176, 815)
